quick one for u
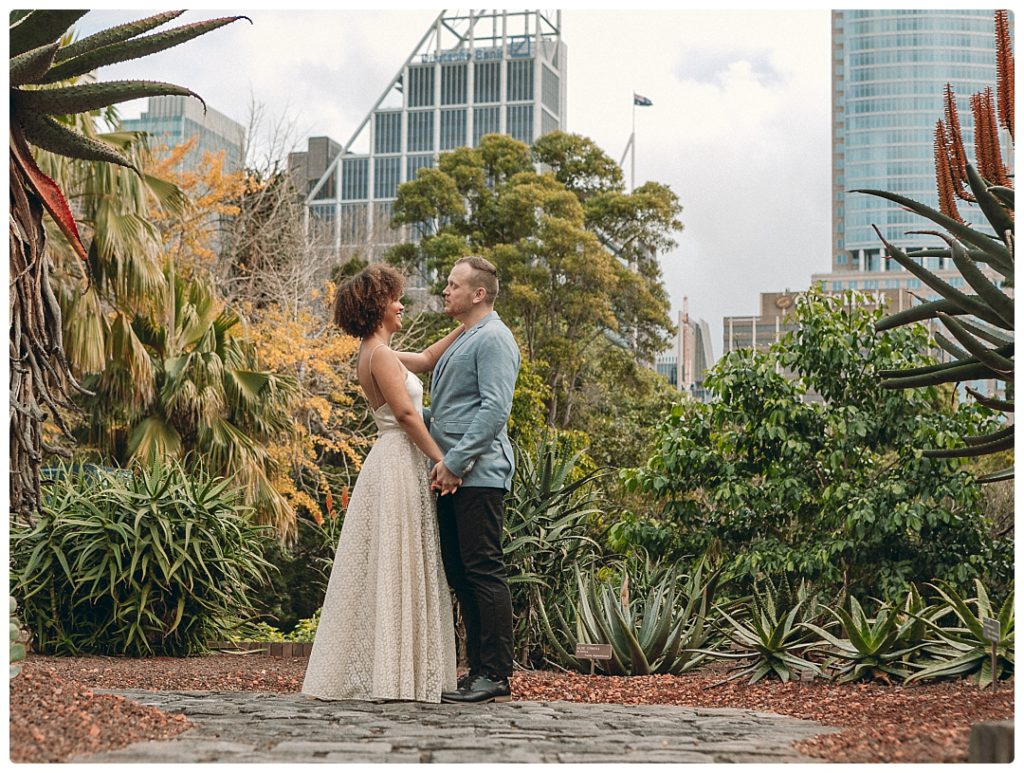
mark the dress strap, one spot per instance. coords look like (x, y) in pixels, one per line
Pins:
(373, 381)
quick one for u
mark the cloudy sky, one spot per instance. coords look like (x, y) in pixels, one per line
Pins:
(739, 128)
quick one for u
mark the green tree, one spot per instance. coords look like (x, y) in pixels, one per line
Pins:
(834, 491)
(576, 255)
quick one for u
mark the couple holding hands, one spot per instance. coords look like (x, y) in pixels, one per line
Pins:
(414, 527)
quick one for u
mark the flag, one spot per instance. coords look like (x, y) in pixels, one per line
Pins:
(642, 101)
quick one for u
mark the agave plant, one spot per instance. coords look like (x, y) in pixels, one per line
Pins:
(40, 69)
(657, 630)
(964, 649)
(774, 638)
(981, 323)
(872, 648)
(547, 517)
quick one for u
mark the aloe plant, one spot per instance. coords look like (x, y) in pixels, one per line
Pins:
(872, 648)
(772, 638)
(655, 620)
(44, 68)
(963, 648)
(980, 322)
(547, 534)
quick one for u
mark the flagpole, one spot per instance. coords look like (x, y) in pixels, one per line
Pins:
(632, 158)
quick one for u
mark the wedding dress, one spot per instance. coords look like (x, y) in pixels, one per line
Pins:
(385, 628)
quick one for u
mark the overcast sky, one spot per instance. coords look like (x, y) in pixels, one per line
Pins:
(739, 128)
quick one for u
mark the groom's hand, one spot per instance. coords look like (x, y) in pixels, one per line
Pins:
(444, 480)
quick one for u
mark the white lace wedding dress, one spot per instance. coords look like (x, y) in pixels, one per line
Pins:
(386, 628)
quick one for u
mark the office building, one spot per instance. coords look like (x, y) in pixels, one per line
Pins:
(172, 120)
(472, 73)
(691, 356)
(889, 73)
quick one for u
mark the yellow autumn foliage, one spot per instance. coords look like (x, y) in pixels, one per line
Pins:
(328, 422)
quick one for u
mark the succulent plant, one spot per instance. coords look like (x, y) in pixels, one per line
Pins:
(963, 648)
(657, 630)
(876, 647)
(44, 71)
(980, 323)
(770, 635)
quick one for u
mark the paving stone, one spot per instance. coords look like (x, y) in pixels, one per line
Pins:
(263, 727)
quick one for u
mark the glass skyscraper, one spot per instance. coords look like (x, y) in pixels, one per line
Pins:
(889, 72)
(172, 120)
(472, 74)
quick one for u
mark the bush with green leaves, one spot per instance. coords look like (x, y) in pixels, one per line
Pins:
(296, 588)
(962, 648)
(152, 561)
(17, 651)
(836, 491)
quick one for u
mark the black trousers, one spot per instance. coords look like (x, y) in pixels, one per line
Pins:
(470, 524)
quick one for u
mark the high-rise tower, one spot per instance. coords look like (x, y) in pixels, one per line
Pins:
(889, 72)
(471, 74)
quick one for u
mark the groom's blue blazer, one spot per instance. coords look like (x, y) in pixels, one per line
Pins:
(470, 401)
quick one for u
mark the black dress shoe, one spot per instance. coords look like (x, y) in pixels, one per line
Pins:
(466, 678)
(481, 689)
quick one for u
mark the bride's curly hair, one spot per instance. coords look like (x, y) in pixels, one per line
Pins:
(362, 300)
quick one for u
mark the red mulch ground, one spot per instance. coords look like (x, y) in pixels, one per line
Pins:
(55, 715)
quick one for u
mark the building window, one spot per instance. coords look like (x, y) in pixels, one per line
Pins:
(421, 131)
(549, 89)
(354, 181)
(520, 81)
(386, 172)
(421, 86)
(486, 120)
(453, 84)
(519, 122)
(548, 123)
(352, 223)
(387, 136)
(453, 129)
(836, 286)
(415, 163)
(487, 81)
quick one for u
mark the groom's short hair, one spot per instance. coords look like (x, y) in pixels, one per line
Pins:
(485, 275)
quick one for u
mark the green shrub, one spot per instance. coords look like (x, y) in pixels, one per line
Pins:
(17, 648)
(296, 588)
(140, 562)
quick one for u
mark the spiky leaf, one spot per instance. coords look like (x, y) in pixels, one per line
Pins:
(91, 96)
(38, 28)
(125, 51)
(116, 34)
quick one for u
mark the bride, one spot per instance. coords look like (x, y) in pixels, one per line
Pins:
(385, 628)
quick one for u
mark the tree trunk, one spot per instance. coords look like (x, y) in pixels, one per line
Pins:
(39, 373)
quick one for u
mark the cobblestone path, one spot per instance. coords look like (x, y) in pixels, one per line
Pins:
(235, 727)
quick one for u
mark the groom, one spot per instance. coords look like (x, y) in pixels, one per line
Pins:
(471, 398)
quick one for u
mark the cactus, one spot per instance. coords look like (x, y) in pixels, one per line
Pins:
(980, 322)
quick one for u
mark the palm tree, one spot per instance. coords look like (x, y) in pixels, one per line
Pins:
(179, 383)
(40, 374)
